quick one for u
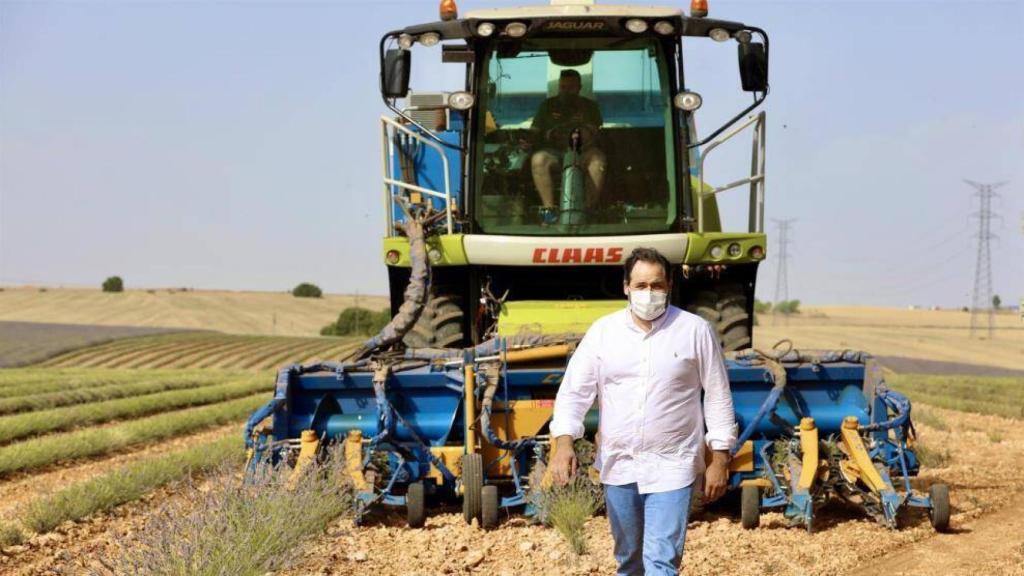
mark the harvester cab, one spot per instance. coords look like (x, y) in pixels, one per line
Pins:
(570, 142)
(510, 206)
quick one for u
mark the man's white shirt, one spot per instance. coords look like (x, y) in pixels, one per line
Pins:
(648, 386)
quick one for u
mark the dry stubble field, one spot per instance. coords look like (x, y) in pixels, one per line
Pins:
(267, 313)
(129, 436)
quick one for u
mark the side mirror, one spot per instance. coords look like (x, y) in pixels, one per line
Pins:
(395, 75)
(753, 67)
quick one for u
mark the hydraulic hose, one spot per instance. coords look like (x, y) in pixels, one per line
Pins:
(416, 292)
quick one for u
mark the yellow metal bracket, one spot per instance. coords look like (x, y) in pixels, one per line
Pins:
(809, 448)
(470, 401)
(860, 459)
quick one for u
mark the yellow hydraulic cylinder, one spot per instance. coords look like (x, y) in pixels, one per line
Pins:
(537, 354)
(859, 455)
(470, 400)
(307, 453)
(354, 459)
(809, 447)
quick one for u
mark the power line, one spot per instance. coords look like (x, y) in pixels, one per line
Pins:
(781, 270)
(981, 301)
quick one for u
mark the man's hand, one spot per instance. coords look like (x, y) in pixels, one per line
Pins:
(563, 464)
(717, 476)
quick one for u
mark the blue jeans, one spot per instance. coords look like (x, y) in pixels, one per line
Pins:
(649, 529)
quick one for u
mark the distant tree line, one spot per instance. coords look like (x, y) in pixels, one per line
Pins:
(781, 307)
(357, 322)
(307, 290)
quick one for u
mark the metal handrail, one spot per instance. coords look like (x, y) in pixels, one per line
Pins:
(390, 183)
(756, 180)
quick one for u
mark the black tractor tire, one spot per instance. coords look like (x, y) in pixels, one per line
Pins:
(725, 308)
(472, 486)
(939, 512)
(750, 507)
(439, 326)
(415, 505)
(489, 502)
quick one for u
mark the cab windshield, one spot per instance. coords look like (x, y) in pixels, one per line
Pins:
(576, 138)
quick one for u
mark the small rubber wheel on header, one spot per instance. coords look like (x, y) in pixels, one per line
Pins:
(472, 486)
(489, 501)
(415, 509)
(939, 512)
(750, 507)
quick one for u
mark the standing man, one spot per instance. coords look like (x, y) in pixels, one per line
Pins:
(647, 365)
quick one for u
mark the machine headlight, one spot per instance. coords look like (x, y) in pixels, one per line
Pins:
(716, 251)
(392, 257)
(435, 255)
(461, 100)
(734, 250)
(405, 41)
(688, 101)
(636, 25)
(485, 29)
(516, 29)
(429, 39)
(719, 34)
(664, 27)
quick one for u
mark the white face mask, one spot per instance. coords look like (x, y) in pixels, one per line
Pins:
(648, 304)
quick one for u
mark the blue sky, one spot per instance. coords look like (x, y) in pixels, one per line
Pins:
(235, 144)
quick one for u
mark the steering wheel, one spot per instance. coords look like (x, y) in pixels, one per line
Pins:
(563, 133)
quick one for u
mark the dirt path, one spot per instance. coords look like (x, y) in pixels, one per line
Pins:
(992, 544)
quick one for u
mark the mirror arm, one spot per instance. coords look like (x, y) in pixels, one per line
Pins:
(390, 103)
(748, 109)
(733, 120)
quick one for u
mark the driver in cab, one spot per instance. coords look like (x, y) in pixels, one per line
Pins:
(555, 120)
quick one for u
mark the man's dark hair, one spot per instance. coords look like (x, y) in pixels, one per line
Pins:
(649, 255)
(570, 73)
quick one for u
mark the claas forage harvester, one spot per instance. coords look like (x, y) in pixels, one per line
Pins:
(507, 219)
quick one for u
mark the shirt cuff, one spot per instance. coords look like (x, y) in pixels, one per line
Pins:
(722, 440)
(559, 428)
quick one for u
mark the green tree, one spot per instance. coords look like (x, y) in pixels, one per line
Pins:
(113, 284)
(788, 307)
(307, 290)
(357, 322)
(762, 307)
(996, 301)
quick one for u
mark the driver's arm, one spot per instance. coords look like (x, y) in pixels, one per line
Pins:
(594, 114)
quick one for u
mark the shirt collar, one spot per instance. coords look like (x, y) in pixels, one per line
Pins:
(656, 324)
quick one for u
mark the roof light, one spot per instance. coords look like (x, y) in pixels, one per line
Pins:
(664, 27)
(734, 250)
(757, 253)
(392, 257)
(516, 29)
(405, 41)
(485, 29)
(716, 251)
(698, 8)
(719, 34)
(688, 101)
(449, 11)
(429, 39)
(461, 100)
(636, 25)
